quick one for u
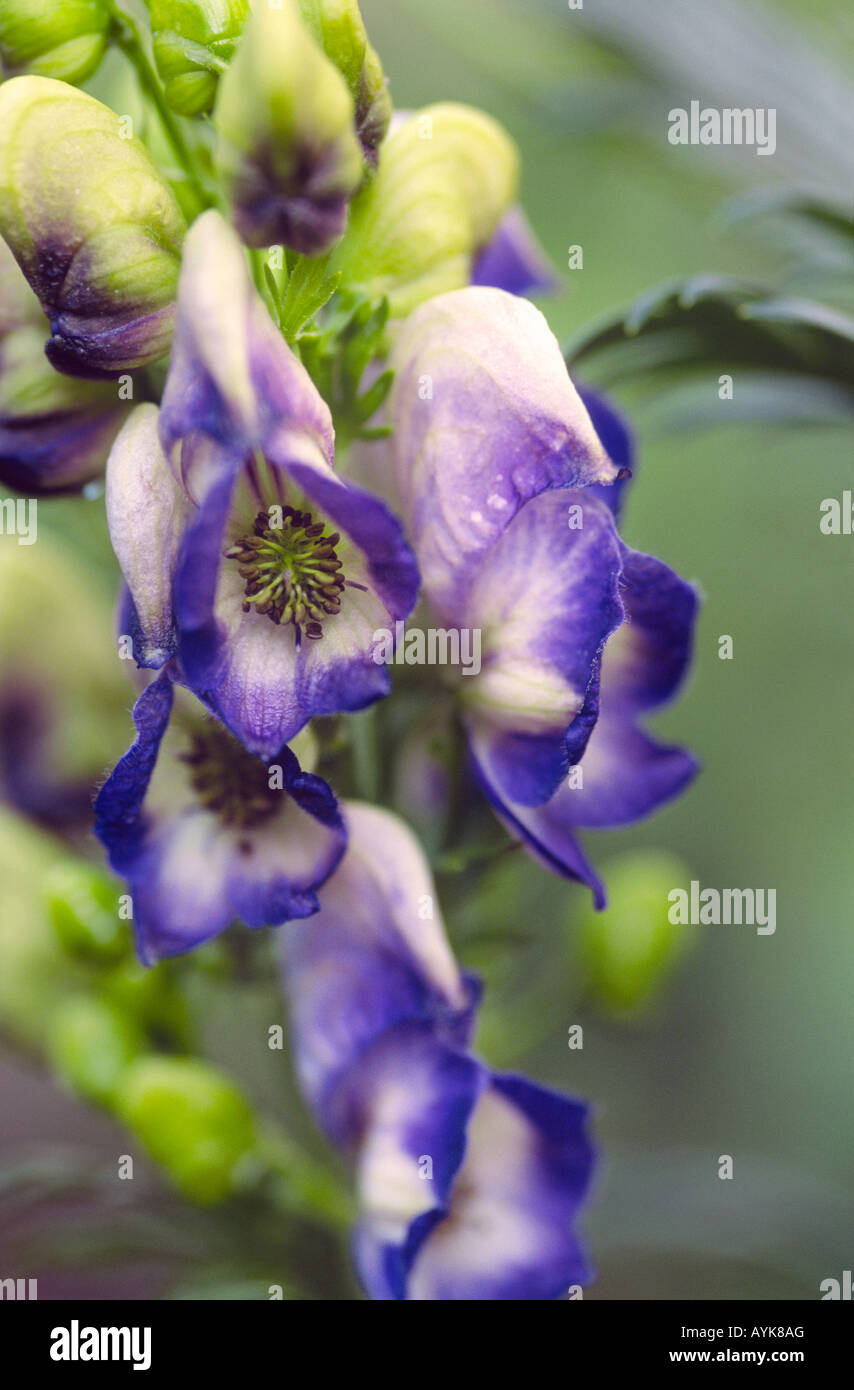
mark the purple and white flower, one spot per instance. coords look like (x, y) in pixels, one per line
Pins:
(246, 556)
(469, 1182)
(206, 833)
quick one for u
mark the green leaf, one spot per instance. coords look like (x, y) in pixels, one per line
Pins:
(716, 323)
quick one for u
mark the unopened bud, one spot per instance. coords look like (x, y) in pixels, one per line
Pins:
(288, 151)
(65, 39)
(92, 224)
(194, 41)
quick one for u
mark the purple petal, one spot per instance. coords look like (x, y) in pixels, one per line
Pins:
(232, 376)
(147, 511)
(485, 417)
(510, 1235)
(190, 875)
(376, 955)
(514, 260)
(546, 598)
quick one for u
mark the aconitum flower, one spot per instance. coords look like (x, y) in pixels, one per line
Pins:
(92, 224)
(469, 1182)
(510, 545)
(55, 432)
(262, 571)
(207, 834)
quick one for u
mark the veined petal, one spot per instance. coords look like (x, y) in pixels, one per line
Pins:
(147, 512)
(485, 417)
(375, 956)
(546, 599)
(510, 1232)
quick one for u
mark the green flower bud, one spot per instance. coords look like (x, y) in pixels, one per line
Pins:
(65, 39)
(287, 151)
(91, 1043)
(338, 27)
(631, 948)
(92, 224)
(446, 176)
(194, 41)
(192, 1120)
(152, 997)
(83, 908)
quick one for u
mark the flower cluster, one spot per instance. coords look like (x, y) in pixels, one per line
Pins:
(262, 567)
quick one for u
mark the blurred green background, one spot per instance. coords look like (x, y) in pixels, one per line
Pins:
(748, 1051)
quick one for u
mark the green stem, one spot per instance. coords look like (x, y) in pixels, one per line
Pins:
(129, 40)
(366, 754)
(300, 1184)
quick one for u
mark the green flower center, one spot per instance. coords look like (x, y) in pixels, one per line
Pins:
(228, 780)
(292, 572)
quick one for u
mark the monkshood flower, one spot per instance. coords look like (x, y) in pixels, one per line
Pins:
(55, 432)
(469, 1182)
(338, 27)
(288, 152)
(92, 224)
(65, 39)
(511, 547)
(207, 834)
(194, 41)
(623, 774)
(252, 562)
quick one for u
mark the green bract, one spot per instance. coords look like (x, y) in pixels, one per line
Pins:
(192, 1120)
(92, 224)
(287, 152)
(339, 29)
(53, 38)
(194, 41)
(445, 178)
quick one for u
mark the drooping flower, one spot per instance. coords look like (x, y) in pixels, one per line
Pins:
(100, 249)
(500, 473)
(287, 152)
(207, 834)
(55, 432)
(469, 1182)
(622, 774)
(262, 571)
